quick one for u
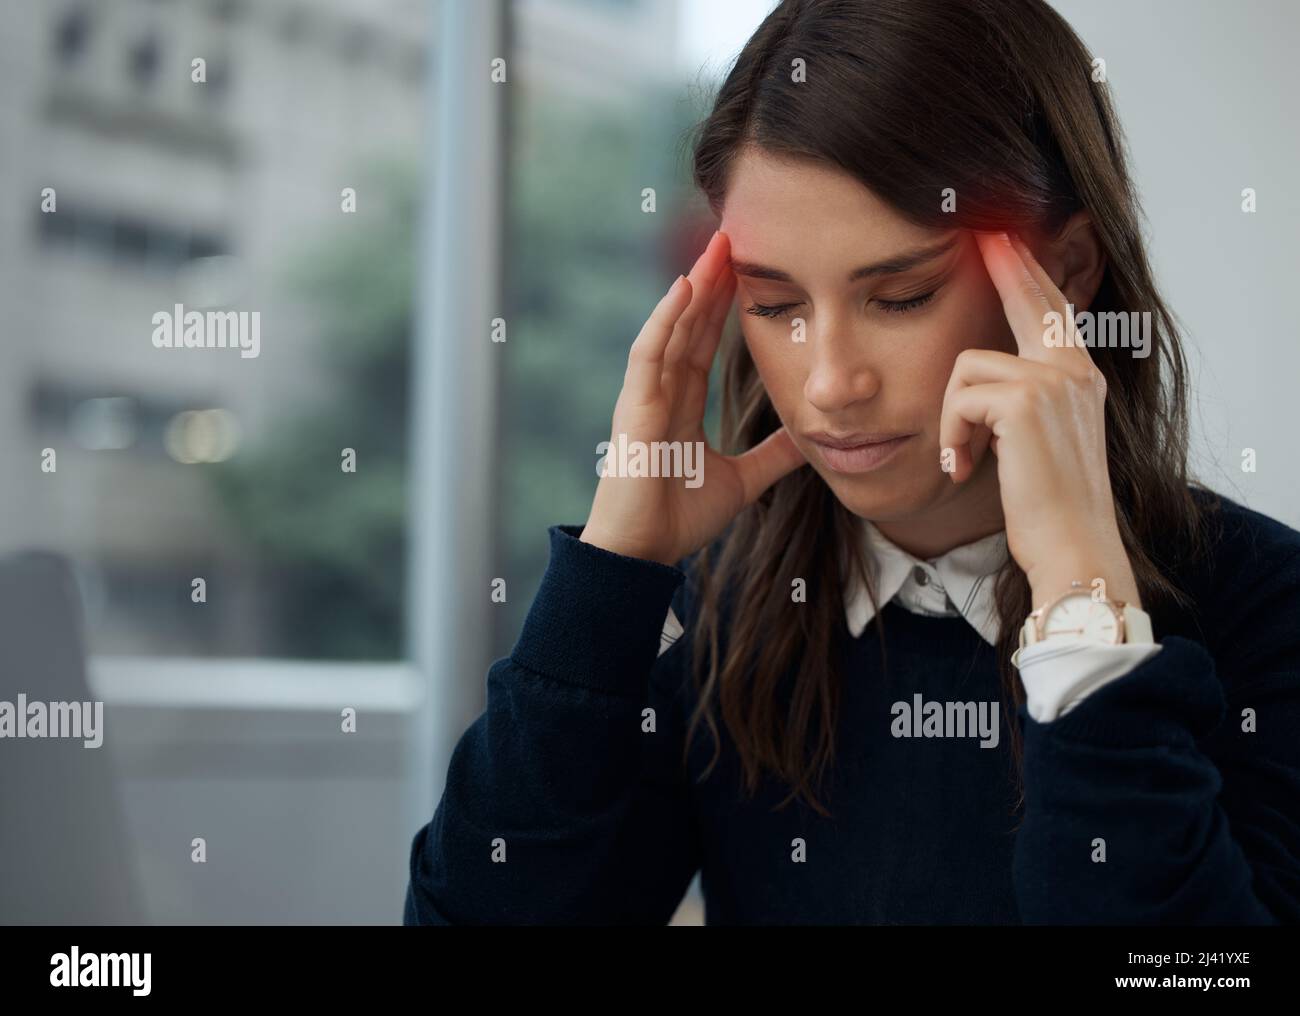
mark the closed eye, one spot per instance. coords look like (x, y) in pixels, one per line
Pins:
(903, 306)
(781, 310)
(771, 311)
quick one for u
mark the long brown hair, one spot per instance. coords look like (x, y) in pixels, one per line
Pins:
(997, 100)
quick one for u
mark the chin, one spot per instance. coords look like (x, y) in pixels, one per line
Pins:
(887, 496)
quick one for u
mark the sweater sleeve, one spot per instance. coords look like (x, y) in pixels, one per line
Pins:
(565, 801)
(1172, 794)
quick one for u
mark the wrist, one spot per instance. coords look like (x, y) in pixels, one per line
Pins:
(621, 547)
(1113, 580)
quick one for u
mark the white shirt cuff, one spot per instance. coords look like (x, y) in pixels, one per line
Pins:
(1059, 673)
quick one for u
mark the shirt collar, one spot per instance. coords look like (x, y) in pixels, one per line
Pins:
(958, 582)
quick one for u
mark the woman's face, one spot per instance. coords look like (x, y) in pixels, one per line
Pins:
(885, 305)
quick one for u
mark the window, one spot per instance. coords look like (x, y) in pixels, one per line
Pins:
(72, 35)
(334, 289)
(127, 239)
(143, 60)
(595, 125)
(217, 86)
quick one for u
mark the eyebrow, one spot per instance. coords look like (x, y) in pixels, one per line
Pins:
(904, 262)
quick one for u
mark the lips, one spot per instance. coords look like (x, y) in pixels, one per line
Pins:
(854, 440)
(857, 452)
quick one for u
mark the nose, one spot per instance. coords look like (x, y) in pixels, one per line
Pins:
(839, 373)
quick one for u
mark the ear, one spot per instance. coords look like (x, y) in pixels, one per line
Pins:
(1075, 260)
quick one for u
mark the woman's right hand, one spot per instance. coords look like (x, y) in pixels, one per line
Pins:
(665, 389)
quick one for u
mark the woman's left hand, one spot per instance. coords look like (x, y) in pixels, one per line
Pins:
(1045, 408)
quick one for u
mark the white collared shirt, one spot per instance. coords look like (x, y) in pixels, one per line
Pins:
(1057, 673)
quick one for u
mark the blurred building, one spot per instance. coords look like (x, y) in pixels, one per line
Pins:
(603, 52)
(169, 190)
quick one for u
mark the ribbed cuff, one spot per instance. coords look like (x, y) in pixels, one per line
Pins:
(597, 616)
(1174, 697)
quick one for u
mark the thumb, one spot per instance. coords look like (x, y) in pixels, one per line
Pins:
(765, 463)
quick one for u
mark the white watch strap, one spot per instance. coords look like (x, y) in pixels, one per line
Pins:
(1028, 632)
(1137, 627)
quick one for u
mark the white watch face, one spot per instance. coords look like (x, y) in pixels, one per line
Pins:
(1080, 616)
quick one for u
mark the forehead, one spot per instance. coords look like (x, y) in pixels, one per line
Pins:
(803, 213)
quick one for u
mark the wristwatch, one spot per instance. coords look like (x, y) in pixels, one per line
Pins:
(1076, 613)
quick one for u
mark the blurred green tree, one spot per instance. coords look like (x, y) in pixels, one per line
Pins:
(583, 266)
(332, 544)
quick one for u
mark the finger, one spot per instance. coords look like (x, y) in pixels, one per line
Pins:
(987, 366)
(981, 366)
(704, 274)
(645, 360)
(765, 463)
(705, 345)
(1058, 301)
(690, 388)
(977, 367)
(967, 408)
(1026, 301)
(977, 405)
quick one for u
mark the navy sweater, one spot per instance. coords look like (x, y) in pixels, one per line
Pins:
(1170, 795)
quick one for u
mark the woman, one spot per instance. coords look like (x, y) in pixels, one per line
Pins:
(958, 641)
